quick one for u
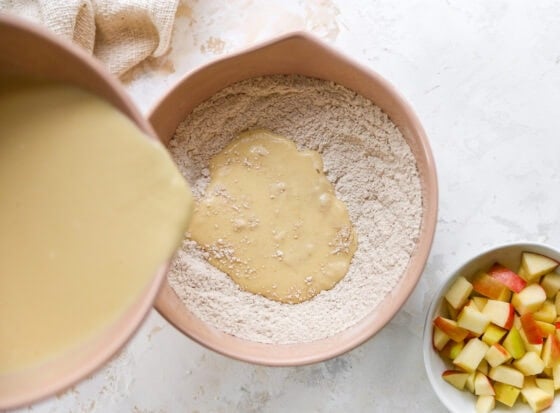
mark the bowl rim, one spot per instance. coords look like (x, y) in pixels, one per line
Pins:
(138, 311)
(427, 348)
(421, 252)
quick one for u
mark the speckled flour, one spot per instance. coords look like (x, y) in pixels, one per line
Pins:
(372, 169)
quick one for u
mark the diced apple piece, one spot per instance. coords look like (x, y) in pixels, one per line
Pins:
(484, 404)
(506, 393)
(483, 367)
(529, 382)
(551, 351)
(480, 302)
(459, 292)
(505, 295)
(497, 355)
(557, 303)
(536, 265)
(488, 286)
(530, 364)
(499, 313)
(452, 349)
(529, 300)
(546, 313)
(537, 398)
(482, 386)
(472, 320)
(439, 339)
(507, 375)
(556, 376)
(451, 312)
(535, 348)
(513, 343)
(507, 277)
(456, 378)
(522, 273)
(471, 355)
(469, 385)
(451, 328)
(546, 384)
(546, 328)
(547, 372)
(493, 334)
(551, 284)
(531, 329)
(472, 304)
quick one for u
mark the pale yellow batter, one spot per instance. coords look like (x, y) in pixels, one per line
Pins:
(270, 219)
(89, 210)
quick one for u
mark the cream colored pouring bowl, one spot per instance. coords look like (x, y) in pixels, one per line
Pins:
(301, 54)
(28, 50)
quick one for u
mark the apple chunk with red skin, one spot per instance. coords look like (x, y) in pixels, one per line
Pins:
(500, 313)
(497, 355)
(488, 287)
(551, 351)
(507, 277)
(529, 300)
(531, 329)
(450, 327)
(535, 348)
(456, 378)
(482, 386)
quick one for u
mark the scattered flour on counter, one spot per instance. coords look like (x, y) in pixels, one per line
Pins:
(373, 171)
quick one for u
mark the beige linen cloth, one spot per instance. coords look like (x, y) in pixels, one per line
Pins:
(121, 33)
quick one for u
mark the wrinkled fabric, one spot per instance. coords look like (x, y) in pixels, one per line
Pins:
(121, 33)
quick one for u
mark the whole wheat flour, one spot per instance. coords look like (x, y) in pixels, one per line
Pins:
(373, 171)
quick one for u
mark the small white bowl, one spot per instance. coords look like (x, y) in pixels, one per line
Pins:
(455, 400)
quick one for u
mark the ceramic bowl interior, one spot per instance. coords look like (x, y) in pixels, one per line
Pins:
(454, 399)
(29, 51)
(301, 54)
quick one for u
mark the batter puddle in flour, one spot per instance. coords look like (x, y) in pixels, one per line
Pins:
(270, 219)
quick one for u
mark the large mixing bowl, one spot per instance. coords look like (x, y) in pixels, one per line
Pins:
(301, 54)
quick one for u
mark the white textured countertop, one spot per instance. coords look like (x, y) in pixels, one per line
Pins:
(484, 78)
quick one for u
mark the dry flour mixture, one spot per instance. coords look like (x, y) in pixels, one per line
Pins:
(367, 160)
